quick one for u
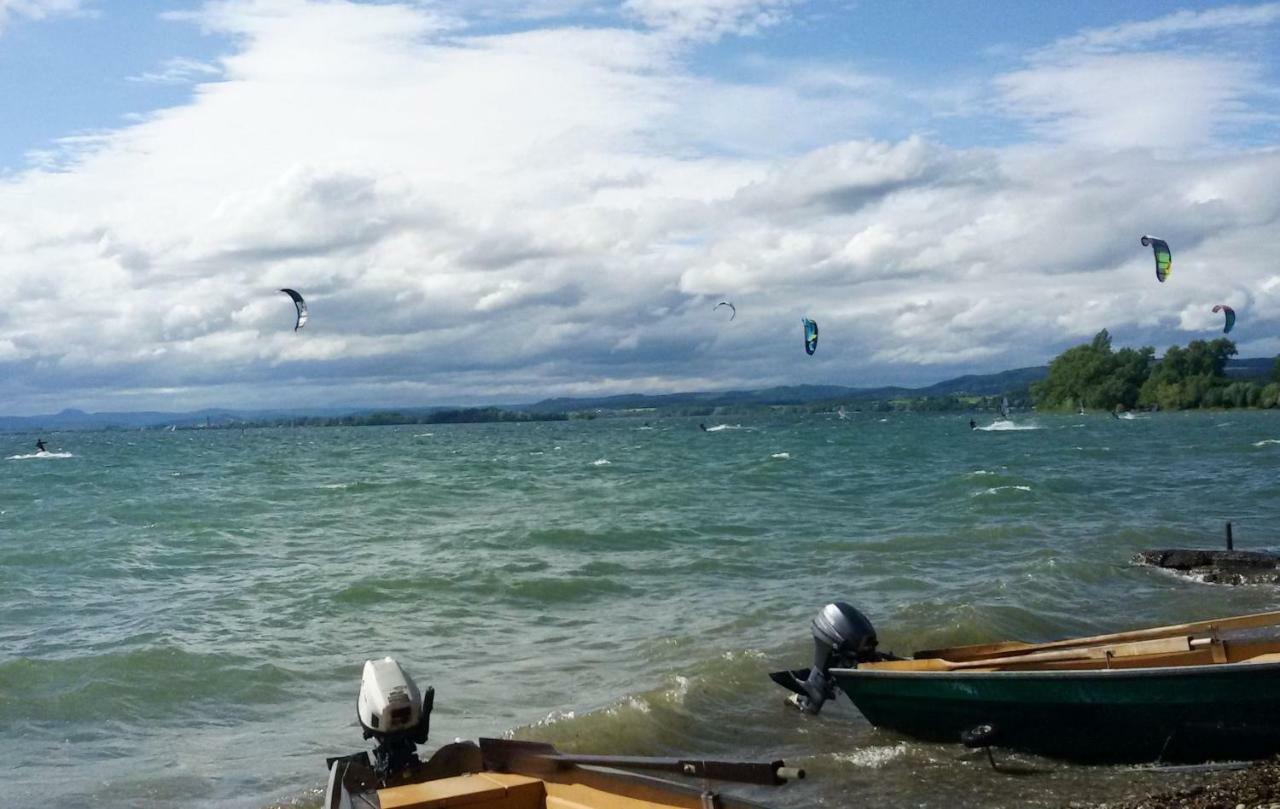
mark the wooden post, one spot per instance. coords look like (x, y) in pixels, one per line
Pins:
(1230, 544)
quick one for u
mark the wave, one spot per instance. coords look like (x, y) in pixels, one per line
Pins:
(154, 681)
(873, 757)
(41, 455)
(998, 489)
(1005, 426)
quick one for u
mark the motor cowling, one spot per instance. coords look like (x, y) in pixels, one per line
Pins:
(842, 638)
(395, 714)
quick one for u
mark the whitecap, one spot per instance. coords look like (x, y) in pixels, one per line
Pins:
(1266, 441)
(998, 489)
(40, 455)
(781, 456)
(602, 462)
(335, 486)
(679, 691)
(720, 427)
(633, 703)
(873, 756)
(423, 435)
(1004, 426)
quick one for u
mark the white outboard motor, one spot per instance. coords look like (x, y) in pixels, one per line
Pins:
(394, 714)
(842, 638)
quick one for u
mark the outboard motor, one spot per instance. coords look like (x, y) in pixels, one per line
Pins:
(842, 638)
(394, 714)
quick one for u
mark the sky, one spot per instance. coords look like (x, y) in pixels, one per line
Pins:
(502, 201)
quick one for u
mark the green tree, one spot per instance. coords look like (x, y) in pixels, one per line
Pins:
(1184, 376)
(1094, 376)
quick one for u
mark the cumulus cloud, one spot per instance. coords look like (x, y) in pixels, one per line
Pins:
(490, 217)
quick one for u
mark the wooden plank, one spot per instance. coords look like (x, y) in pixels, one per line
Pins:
(1158, 646)
(985, 650)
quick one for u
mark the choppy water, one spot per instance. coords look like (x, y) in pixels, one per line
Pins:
(183, 616)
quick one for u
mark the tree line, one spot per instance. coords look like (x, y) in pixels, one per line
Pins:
(1095, 376)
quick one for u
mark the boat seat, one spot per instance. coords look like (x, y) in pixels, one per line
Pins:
(487, 790)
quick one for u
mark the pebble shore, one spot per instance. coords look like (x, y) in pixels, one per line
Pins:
(1254, 787)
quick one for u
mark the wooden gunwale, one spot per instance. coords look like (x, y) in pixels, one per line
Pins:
(1253, 656)
(1195, 628)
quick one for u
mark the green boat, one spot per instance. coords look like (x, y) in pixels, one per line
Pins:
(1178, 693)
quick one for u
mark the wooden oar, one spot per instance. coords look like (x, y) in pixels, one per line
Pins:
(1158, 646)
(507, 754)
(983, 650)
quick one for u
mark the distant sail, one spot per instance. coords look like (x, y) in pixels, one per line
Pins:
(300, 305)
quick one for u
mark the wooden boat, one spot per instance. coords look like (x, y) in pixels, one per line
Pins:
(1174, 693)
(505, 774)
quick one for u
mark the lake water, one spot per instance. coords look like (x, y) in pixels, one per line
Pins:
(184, 615)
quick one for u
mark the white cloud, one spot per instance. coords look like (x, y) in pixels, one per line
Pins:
(528, 214)
(35, 9)
(1176, 82)
(1170, 28)
(178, 70)
(708, 19)
(1118, 101)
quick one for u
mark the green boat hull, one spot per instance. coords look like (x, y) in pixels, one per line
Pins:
(1184, 714)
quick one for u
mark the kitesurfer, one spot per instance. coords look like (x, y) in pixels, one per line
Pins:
(973, 425)
(40, 445)
(702, 427)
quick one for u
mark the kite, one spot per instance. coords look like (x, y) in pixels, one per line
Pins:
(810, 336)
(1164, 258)
(1230, 316)
(300, 305)
(732, 308)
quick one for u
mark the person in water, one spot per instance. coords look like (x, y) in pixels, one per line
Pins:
(40, 445)
(973, 425)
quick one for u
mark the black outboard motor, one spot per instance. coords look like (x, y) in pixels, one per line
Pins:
(842, 638)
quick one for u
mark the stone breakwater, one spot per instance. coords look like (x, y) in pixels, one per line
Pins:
(1216, 566)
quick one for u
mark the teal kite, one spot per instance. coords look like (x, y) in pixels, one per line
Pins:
(810, 336)
(1230, 316)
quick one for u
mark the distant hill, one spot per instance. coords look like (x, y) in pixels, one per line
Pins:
(1250, 367)
(973, 384)
(1004, 382)
(80, 420)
